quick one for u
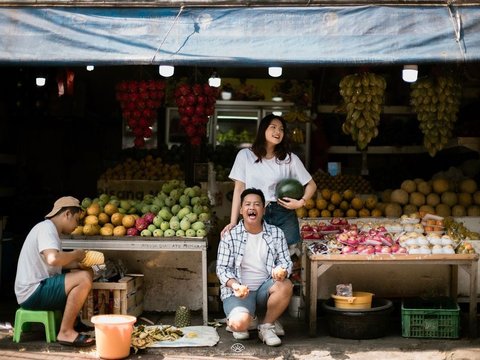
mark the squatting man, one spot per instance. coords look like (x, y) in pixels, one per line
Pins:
(253, 265)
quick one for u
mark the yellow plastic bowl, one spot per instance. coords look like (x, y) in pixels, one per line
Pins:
(359, 300)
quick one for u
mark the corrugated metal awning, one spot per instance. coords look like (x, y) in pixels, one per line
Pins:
(240, 36)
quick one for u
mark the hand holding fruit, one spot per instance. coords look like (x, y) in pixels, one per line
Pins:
(279, 273)
(240, 291)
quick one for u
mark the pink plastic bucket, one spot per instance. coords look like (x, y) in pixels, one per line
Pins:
(113, 335)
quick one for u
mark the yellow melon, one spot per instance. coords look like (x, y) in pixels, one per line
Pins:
(313, 213)
(326, 194)
(399, 196)
(417, 198)
(78, 230)
(393, 210)
(443, 210)
(473, 210)
(90, 220)
(386, 195)
(106, 231)
(128, 221)
(338, 213)
(465, 199)
(433, 199)
(364, 213)
(426, 209)
(344, 205)
(117, 218)
(424, 187)
(468, 186)
(325, 213)
(357, 203)
(459, 210)
(409, 186)
(91, 229)
(119, 230)
(103, 218)
(351, 213)
(371, 202)
(449, 198)
(336, 198)
(94, 209)
(348, 194)
(301, 212)
(110, 209)
(440, 185)
(410, 209)
(310, 204)
(110, 225)
(476, 197)
(321, 204)
(376, 213)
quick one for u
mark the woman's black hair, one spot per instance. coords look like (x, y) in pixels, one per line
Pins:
(252, 191)
(282, 150)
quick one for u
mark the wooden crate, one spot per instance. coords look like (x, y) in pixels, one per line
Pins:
(122, 297)
(213, 291)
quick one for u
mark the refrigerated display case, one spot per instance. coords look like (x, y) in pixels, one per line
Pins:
(236, 122)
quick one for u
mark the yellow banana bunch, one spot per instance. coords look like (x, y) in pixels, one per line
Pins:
(363, 95)
(297, 136)
(92, 258)
(296, 115)
(436, 102)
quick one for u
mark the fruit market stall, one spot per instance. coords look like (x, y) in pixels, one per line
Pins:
(134, 244)
(318, 265)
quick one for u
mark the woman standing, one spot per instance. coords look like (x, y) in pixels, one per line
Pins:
(262, 166)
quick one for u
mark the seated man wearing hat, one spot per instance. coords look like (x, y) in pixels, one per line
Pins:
(40, 283)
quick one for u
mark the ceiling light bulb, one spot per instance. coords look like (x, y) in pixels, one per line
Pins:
(166, 70)
(90, 67)
(410, 73)
(40, 81)
(214, 81)
(275, 71)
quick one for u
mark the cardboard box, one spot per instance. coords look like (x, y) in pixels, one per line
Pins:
(122, 297)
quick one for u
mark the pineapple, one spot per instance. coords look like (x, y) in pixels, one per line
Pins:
(182, 317)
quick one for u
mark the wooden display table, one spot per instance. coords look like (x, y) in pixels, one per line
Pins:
(317, 265)
(139, 243)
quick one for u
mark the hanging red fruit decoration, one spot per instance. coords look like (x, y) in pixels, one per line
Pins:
(139, 101)
(195, 104)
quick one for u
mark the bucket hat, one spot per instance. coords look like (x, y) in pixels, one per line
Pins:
(65, 201)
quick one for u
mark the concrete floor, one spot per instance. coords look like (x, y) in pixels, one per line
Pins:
(296, 344)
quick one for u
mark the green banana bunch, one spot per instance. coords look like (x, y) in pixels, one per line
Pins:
(436, 102)
(363, 95)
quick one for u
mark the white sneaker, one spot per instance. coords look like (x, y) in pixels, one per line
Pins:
(266, 333)
(244, 335)
(279, 328)
(241, 335)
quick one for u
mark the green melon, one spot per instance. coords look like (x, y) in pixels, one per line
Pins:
(291, 188)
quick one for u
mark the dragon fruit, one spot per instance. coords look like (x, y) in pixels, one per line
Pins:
(141, 223)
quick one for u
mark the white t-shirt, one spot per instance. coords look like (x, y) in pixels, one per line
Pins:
(266, 174)
(32, 267)
(254, 270)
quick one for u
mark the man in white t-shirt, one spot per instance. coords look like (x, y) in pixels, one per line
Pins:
(40, 283)
(253, 265)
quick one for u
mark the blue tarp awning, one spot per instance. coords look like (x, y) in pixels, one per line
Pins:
(240, 36)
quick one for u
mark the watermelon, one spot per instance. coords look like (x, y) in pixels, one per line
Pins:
(291, 188)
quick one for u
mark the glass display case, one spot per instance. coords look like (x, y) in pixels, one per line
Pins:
(236, 122)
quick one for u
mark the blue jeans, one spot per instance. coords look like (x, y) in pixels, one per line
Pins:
(233, 304)
(285, 219)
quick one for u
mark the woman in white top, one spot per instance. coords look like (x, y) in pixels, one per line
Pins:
(262, 166)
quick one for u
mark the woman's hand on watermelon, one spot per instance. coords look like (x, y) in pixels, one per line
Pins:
(290, 203)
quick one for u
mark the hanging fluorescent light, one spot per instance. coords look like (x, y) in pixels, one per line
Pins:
(410, 73)
(275, 71)
(90, 67)
(166, 70)
(40, 81)
(214, 80)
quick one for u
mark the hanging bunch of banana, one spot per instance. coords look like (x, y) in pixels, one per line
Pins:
(436, 102)
(363, 95)
(296, 116)
(297, 135)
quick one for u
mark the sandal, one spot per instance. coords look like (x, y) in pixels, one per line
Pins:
(80, 341)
